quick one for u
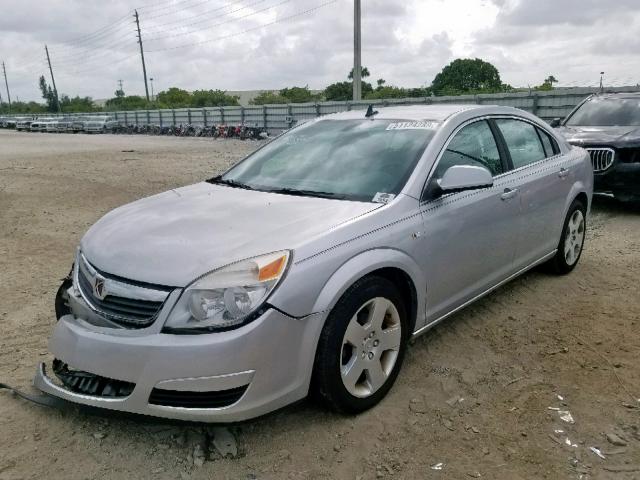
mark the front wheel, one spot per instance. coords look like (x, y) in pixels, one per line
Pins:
(572, 240)
(361, 347)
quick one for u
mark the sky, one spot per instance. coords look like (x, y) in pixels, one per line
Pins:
(272, 44)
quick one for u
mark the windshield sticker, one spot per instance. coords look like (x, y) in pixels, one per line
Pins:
(422, 125)
(383, 197)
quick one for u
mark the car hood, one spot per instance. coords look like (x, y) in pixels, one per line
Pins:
(175, 237)
(619, 137)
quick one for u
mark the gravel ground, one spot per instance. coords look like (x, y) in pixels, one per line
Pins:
(473, 399)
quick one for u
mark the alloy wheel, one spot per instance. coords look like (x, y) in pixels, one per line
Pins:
(574, 238)
(370, 347)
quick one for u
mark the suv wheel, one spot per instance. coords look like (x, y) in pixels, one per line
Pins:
(361, 347)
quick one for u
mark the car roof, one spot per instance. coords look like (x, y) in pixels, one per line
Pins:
(437, 113)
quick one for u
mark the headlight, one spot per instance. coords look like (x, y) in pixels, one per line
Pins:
(226, 297)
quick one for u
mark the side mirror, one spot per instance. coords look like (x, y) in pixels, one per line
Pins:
(465, 177)
(555, 123)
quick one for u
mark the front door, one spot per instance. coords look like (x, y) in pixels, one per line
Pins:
(470, 237)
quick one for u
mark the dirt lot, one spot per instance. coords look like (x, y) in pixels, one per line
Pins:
(474, 394)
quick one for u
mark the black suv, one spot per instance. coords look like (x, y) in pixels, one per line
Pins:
(608, 126)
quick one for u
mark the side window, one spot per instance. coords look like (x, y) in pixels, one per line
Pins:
(473, 145)
(549, 144)
(523, 142)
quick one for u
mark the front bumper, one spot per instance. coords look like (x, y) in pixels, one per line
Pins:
(273, 356)
(622, 179)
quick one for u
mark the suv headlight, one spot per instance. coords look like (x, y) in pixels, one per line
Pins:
(227, 297)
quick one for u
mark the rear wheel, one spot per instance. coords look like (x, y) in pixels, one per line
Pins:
(361, 347)
(572, 240)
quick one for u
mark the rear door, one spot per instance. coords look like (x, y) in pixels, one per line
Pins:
(543, 182)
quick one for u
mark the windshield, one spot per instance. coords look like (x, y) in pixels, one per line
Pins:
(364, 160)
(601, 112)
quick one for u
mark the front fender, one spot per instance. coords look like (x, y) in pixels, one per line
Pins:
(365, 263)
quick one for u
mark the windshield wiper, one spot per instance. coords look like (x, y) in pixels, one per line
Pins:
(306, 193)
(231, 183)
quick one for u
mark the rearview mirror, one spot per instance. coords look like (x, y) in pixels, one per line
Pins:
(465, 177)
(555, 123)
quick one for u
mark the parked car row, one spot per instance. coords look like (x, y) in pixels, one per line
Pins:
(107, 124)
(70, 124)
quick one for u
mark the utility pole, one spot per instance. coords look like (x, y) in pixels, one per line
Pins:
(120, 85)
(6, 83)
(53, 80)
(152, 97)
(144, 67)
(357, 51)
(601, 82)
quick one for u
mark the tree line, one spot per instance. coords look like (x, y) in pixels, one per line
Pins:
(460, 77)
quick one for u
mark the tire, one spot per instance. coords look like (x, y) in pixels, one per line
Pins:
(572, 240)
(356, 363)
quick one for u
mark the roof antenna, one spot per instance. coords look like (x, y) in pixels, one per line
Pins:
(371, 112)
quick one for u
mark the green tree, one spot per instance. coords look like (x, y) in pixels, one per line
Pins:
(174, 98)
(547, 84)
(212, 98)
(466, 76)
(23, 107)
(77, 104)
(299, 94)
(269, 98)
(364, 73)
(387, 92)
(343, 91)
(286, 95)
(48, 95)
(419, 92)
(131, 102)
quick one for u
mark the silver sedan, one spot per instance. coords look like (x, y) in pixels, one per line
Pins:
(310, 264)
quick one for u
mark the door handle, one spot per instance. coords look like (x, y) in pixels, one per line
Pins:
(509, 193)
(563, 172)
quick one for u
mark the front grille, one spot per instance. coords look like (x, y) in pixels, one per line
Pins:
(89, 383)
(174, 398)
(601, 158)
(124, 311)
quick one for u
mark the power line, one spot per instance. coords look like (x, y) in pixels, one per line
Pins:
(98, 54)
(75, 73)
(204, 14)
(235, 19)
(201, 2)
(258, 27)
(102, 41)
(100, 31)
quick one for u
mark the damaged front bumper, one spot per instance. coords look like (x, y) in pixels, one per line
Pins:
(218, 377)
